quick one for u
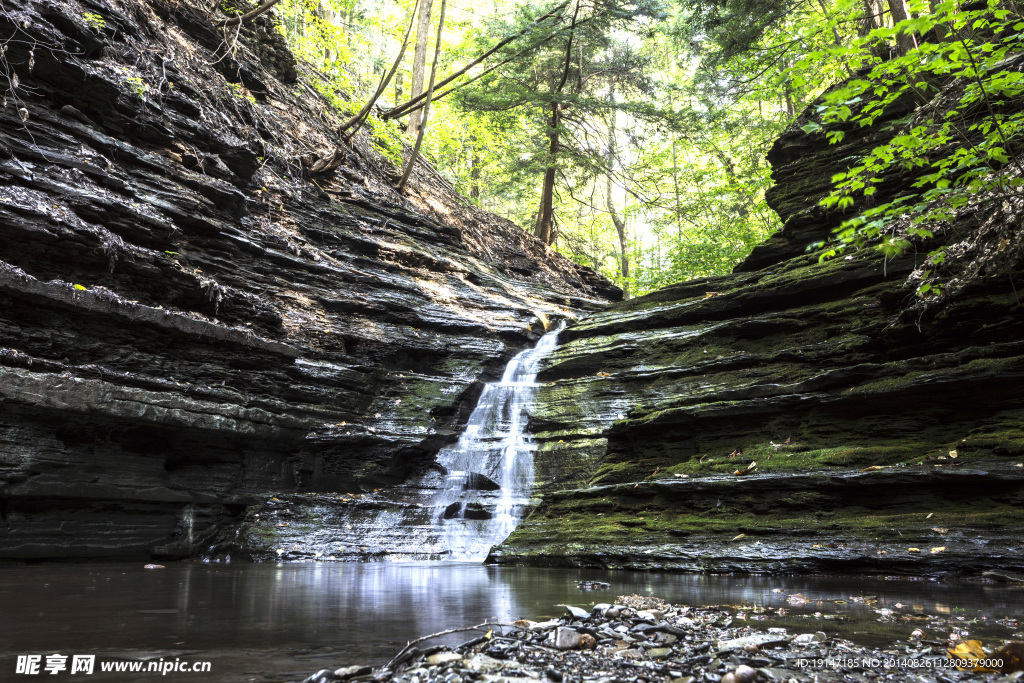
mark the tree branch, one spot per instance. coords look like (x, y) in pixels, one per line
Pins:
(234, 21)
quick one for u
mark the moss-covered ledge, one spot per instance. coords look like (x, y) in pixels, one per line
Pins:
(960, 518)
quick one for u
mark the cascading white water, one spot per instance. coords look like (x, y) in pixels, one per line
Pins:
(490, 469)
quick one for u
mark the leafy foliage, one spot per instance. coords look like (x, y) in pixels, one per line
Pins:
(959, 143)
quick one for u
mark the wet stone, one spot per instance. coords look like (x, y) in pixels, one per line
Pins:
(577, 613)
(565, 638)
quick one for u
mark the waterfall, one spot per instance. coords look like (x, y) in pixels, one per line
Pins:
(471, 501)
(188, 518)
(490, 470)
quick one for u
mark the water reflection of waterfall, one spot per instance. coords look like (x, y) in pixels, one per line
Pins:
(490, 470)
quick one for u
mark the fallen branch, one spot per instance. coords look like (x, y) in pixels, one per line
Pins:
(384, 81)
(234, 21)
(412, 643)
(407, 107)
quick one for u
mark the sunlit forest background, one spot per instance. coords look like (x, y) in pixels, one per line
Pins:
(645, 121)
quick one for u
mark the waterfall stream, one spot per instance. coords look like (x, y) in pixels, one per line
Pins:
(470, 500)
(490, 470)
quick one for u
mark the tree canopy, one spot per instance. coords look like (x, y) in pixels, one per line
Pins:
(631, 134)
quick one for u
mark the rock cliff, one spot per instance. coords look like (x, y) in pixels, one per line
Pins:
(207, 296)
(887, 429)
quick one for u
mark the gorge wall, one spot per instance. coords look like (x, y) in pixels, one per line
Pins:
(221, 329)
(207, 298)
(887, 428)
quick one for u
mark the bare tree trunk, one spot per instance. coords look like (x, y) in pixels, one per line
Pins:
(358, 119)
(620, 225)
(544, 229)
(872, 16)
(905, 41)
(419, 60)
(406, 107)
(835, 35)
(474, 170)
(398, 85)
(941, 30)
(546, 213)
(675, 177)
(426, 107)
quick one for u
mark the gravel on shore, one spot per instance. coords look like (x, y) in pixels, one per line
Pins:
(643, 639)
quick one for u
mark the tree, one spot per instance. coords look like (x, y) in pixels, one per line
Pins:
(422, 128)
(419, 63)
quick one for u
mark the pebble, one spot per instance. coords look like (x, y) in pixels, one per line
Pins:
(620, 644)
(565, 638)
(577, 613)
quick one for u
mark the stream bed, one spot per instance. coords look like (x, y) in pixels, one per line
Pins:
(267, 622)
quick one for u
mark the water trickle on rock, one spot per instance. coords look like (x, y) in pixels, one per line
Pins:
(469, 501)
(490, 470)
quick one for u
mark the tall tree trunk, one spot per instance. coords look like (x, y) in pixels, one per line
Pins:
(426, 107)
(675, 177)
(419, 60)
(398, 85)
(905, 41)
(406, 107)
(941, 30)
(872, 16)
(357, 120)
(620, 225)
(544, 228)
(474, 170)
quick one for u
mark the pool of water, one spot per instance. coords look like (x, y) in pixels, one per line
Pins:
(276, 622)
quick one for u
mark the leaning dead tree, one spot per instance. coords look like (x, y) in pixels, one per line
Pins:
(357, 120)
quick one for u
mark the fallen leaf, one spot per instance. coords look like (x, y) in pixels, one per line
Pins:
(738, 537)
(929, 515)
(913, 550)
(952, 454)
(873, 468)
(970, 650)
(938, 549)
(940, 529)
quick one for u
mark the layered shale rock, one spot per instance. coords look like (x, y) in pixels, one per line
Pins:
(206, 295)
(883, 425)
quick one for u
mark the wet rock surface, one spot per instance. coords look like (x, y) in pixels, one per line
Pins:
(193, 315)
(786, 367)
(640, 638)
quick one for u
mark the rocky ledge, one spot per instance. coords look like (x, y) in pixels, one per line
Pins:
(207, 295)
(798, 414)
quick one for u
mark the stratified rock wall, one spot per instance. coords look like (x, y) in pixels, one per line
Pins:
(191, 316)
(882, 425)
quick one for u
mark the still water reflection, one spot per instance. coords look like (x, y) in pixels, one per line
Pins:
(301, 617)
